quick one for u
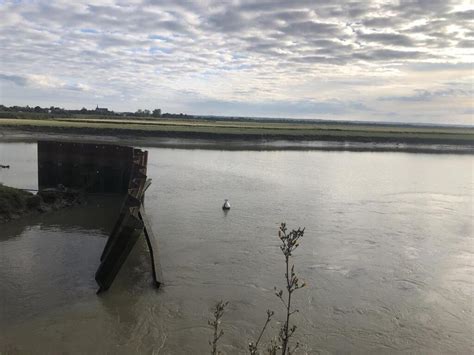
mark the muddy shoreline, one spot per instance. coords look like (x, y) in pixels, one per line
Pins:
(200, 140)
(17, 203)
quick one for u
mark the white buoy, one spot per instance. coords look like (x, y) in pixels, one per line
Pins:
(226, 205)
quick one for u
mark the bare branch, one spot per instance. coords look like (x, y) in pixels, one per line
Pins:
(218, 333)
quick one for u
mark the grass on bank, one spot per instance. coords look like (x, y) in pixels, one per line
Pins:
(244, 128)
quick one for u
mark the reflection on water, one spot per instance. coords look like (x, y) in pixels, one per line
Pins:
(49, 259)
(388, 256)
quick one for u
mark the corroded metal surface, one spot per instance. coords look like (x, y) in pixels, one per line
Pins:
(131, 223)
(98, 168)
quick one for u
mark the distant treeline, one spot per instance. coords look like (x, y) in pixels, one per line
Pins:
(58, 111)
(37, 112)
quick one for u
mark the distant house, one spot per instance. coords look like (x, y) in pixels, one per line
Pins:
(101, 109)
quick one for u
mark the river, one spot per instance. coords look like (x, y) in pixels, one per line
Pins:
(387, 256)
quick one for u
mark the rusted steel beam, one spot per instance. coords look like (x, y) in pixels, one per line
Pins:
(130, 202)
(118, 244)
(118, 252)
(153, 247)
(147, 185)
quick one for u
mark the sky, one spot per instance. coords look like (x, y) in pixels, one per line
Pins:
(388, 61)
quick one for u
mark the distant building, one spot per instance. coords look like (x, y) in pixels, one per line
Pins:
(101, 109)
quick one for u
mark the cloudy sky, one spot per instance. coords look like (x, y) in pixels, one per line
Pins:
(406, 60)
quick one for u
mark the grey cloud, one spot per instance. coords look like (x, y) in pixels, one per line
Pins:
(415, 8)
(432, 26)
(468, 43)
(334, 48)
(271, 5)
(228, 21)
(438, 42)
(382, 22)
(281, 108)
(258, 45)
(437, 67)
(75, 87)
(108, 41)
(345, 10)
(312, 28)
(440, 36)
(16, 79)
(387, 55)
(358, 9)
(31, 81)
(320, 59)
(179, 5)
(427, 95)
(387, 39)
(462, 15)
(293, 16)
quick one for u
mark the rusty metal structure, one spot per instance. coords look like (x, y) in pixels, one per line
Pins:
(94, 168)
(131, 223)
(102, 168)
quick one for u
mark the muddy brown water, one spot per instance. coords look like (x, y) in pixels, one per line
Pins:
(387, 256)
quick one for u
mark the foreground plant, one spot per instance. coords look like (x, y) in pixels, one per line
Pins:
(218, 333)
(253, 347)
(289, 242)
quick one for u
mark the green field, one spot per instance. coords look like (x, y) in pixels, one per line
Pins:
(208, 128)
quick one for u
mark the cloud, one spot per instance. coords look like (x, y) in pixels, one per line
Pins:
(388, 55)
(299, 52)
(227, 21)
(466, 43)
(313, 28)
(390, 39)
(427, 95)
(462, 15)
(301, 108)
(16, 79)
(381, 22)
(76, 87)
(43, 81)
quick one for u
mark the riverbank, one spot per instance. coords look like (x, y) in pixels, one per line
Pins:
(248, 131)
(15, 203)
(10, 134)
